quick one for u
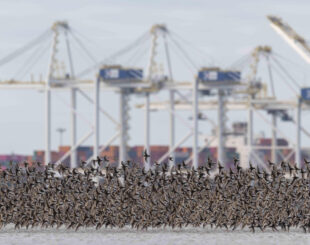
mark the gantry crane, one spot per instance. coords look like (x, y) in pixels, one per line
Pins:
(56, 79)
(299, 44)
(152, 84)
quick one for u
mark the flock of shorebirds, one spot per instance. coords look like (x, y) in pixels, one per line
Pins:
(103, 196)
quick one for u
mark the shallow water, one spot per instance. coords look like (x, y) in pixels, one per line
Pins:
(189, 236)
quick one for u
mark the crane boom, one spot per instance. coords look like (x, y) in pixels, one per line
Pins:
(297, 42)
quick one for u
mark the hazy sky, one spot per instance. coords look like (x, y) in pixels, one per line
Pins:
(222, 31)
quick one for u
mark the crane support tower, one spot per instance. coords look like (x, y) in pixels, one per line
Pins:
(221, 81)
(124, 78)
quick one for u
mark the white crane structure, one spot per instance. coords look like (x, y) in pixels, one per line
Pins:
(154, 82)
(297, 42)
(254, 98)
(301, 46)
(238, 94)
(55, 81)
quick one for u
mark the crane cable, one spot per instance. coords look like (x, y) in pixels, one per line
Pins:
(241, 62)
(33, 60)
(184, 53)
(288, 60)
(25, 48)
(198, 51)
(83, 47)
(285, 72)
(181, 56)
(126, 49)
(137, 56)
(139, 52)
(285, 80)
(113, 56)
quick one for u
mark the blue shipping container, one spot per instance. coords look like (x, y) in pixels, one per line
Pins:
(113, 74)
(212, 75)
(305, 93)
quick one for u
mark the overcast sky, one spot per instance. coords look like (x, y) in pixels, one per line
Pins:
(222, 31)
